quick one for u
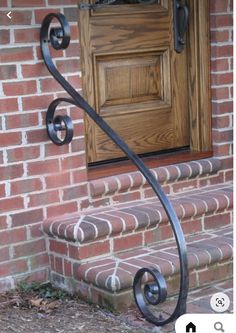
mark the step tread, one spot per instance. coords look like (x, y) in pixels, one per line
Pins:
(165, 174)
(119, 219)
(116, 273)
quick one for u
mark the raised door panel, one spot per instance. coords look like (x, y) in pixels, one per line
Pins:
(132, 77)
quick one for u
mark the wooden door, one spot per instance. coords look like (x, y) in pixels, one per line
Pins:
(133, 78)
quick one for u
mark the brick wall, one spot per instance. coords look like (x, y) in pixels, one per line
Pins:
(38, 179)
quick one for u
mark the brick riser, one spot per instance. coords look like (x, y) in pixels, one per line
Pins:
(86, 251)
(108, 281)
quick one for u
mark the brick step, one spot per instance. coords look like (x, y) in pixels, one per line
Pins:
(109, 230)
(173, 178)
(89, 252)
(108, 281)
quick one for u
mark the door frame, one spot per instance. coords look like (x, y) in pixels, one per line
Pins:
(198, 54)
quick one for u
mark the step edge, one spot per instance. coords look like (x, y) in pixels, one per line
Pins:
(69, 227)
(228, 256)
(166, 174)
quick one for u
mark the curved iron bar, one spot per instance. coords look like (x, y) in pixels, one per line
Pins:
(154, 292)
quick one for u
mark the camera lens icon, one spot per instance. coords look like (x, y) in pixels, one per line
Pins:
(220, 302)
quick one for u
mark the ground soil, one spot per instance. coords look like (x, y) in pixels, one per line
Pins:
(27, 312)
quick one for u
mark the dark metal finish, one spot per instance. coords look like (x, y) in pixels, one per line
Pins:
(181, 16)
(154, 292)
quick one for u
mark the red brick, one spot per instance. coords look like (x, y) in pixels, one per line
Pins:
(220, 93)
(216, 272)
(222, 150)
(4, 36)
(16, 54)
(221, 108)
(8, 72)
(74, 49)
(58, 247)
(77, 144)
(22, 17)
(70, 207)
(68, 66)
(228, 175)
(61, 2)
(12, 236)
(36, 230)
(23, 154)
(219, 21)
(131, 196)
(11, 172)
(34, 70)
(10, 139)
(42, 167)
(8, 105)
(4, 254)
(220, 220)
(40, 14)
(37, 136)
(222, 79)
(58, 265)
(181, 186)
(75, 81)
(218, 36)
(28, 3)
(27, 217)
(90, 250)
(43, 199)
(222, 136)
(30, 35)
(57, 180)
(128, 242)
(67, 268)
(79, 176)
(36, 102)
(73, 162)
(218, 6)
(3, 222)
(51, 149)
(22, 120)
(221, 122)
(40, 260)
(219, 65)
(79, 129)
(75, 192)
(26, 186)
(50, 85)
(13, 267)
(19, 88)
(39, 275)
(222, 51)
(227, 163)
(2, 190)
(29, 248)
(11, 204)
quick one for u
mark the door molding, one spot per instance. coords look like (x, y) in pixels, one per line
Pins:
(198, 50)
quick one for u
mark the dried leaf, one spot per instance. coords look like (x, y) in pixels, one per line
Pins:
(36, 302)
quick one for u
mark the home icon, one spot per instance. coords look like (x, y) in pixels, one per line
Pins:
(191, 328)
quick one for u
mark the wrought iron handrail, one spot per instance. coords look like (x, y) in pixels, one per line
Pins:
(154, 292)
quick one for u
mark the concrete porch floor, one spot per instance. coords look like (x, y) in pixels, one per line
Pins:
(198, 302)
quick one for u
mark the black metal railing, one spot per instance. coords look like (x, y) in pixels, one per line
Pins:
(152, 293)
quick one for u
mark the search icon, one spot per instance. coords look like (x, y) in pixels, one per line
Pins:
(218, 326)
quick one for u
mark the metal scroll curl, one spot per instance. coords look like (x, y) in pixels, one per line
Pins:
(155, 292)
